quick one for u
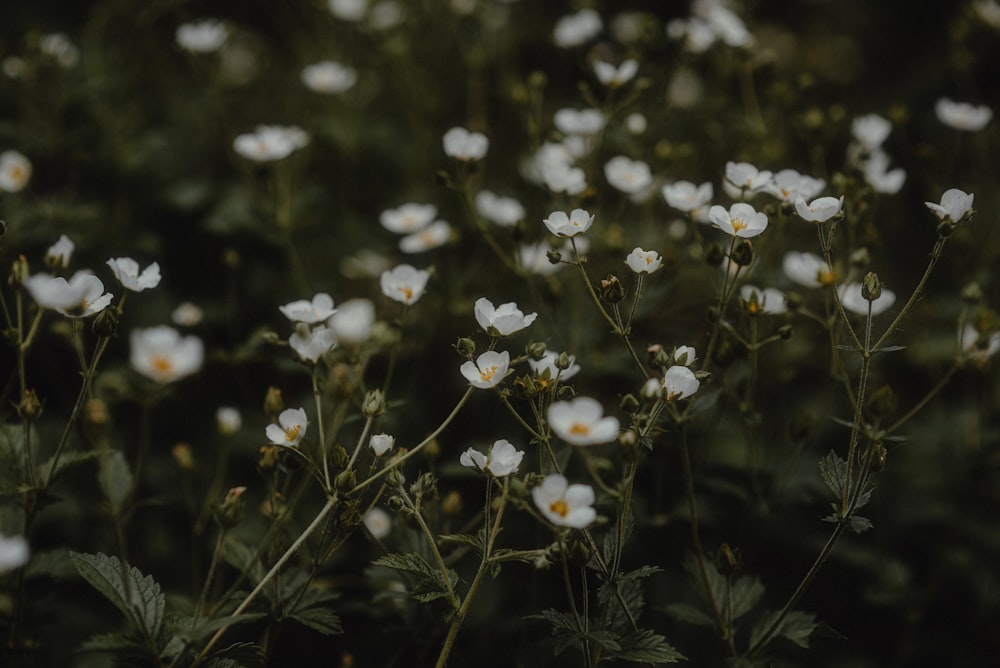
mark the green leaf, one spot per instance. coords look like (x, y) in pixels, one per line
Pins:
(137, 596)
(68, 460)
(567, 632)
(430, 583)
(796, 626)
(239, 655)
(833, 469)
(116, 481)
(126, 649)
(688, 613)
(314, 609)
(243, 558)
(644, 646)
(746, 593)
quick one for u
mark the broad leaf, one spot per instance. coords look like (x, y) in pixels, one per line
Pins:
(644, 646)
(137, 596)
(796, 626)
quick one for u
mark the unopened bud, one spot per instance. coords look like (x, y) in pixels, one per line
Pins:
(743, 254)
(879, 457)
(345, 480)
(229, 513)
(273, 403)
(612, 290)
(554, 256)
(535, 350)
(182, 456)
(451, 504)
(268, 457)
(629, 404)
(785, 332)
(339, 457)
(19, 271)
(628, 444)
(106, 322)
(579, 553)
(465, 347)
(563, 361)
(727, 560)
(374, 404)
(871, 287)
(29, 407)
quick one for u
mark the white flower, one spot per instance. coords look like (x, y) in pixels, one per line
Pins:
(870, 130)
(727, 25)
(563, 504)
(686, 196)
(575, 29)
(463, 145)
(126, 270)
(270, 142)
(228, 420)
(534, 258)
(652, 389)
(312, 343)
(746, 177)
(742, 220)
(581, 421)
(962, 115)
(880, 178)
(971, 342)
(583, 122)
(643, 262)
(685, 355)
(353, 321)
(955, 205)
(408, 218)
(348, 10)
(552, 165)
(58, 46)
(636, 123)
(548, 364)
(819, 210)
(852, 299)
(502, 320)
(291, 427)
(988, 11)
(788, 184)
(503, 459)
(378, 522)
(434, 235)
(404, 284)
(309, 312)
(381, 443)
(768, 300)
(807, 269)
(629, 176)
(504, 211)
(488, 369)
(612, 76)
(81, 296)
(203, 36)
(187, 314)
(563, 225)
(14, 552)
(329, 77)
(162, 354)
(15, 171)
(697, 34)
(59, 253)
(385, 15)
(679, 382)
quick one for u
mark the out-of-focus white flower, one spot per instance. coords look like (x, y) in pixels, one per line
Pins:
(727, 25)
(552, 166)
(329, 77)
(962, 115)
(385, 15)
(310, 312)
(408, 218)
(741, 220)
(59, 253)
(788, 184)
(378, 522)
(575, 29)
(59, 47)
(972, 340)
(187, 314)
(353, 321)
(679, 382)
(632, 177)
(504, 211)
(488, 369)
(584, 122)
(685, 355)
(563, 225)
(404, 283)
(14, 552)
(988, 12)
(228, 420)
(768, 300)
(581, 421)
(311, 343)
(807, 269)
(870, 130)
(697, 34)
(15, 171)
(291, 427)
(81, 296)
(636, 123)
(854, 301)
(365, 263)
(268, 143)
(13, 66)
(686, 196)
(502, 460)
(163, 355)
(463, 145)
(819, 210)
(348, 10)
(642, 261)
(381, 443)
(612, 76)
(746, 177)
(434, 235)
(546, 366)
(502, 320)
(955, 205)
(563, 504)
(126, 270)
(685, 88)
(205, 36)
(880, 177)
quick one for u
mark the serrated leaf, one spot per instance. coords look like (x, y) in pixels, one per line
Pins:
(198, 628)
(239, 655)
(51, 563)
(688, 613)
(833, 470)
(796, 626)
(409, 563)
(116, 481)
(67, 461)
(858, 524)
(323, 620)
(644, 646)
(641, 572)
(139, 597)
(746, 592)
(430, 584)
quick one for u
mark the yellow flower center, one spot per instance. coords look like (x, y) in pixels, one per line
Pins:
(826, 277)
(738, 224)
(579, 429)
(162, 363)
(407, 292)
(487, 373)
(559, 507)
(648, 260)
(291, 433)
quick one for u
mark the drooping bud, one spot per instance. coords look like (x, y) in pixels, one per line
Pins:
(629, 404)
(554, 256)
(19, 271)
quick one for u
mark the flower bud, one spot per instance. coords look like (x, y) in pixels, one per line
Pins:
(793, 301)
(652, 389)
(374, 404)
(972, 294)
(345, 480)
(563, 361)
(229, 513)
(612, 290)
(106, 322)
(662, 358)
(785, 332)
(871, 287)
(452, 503)
(881, 402)
(268, 457)
(743, 254)
(879, 457)
(95, 418)
(19, 271)
(535, 350)
(727, 560)
(29, 407)
(554, 256)
(465, 347)
(394, 479)
(443, 179)
(182, 456)
(945, 228)
(349, 515)
(273, 403)
(628, 444)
